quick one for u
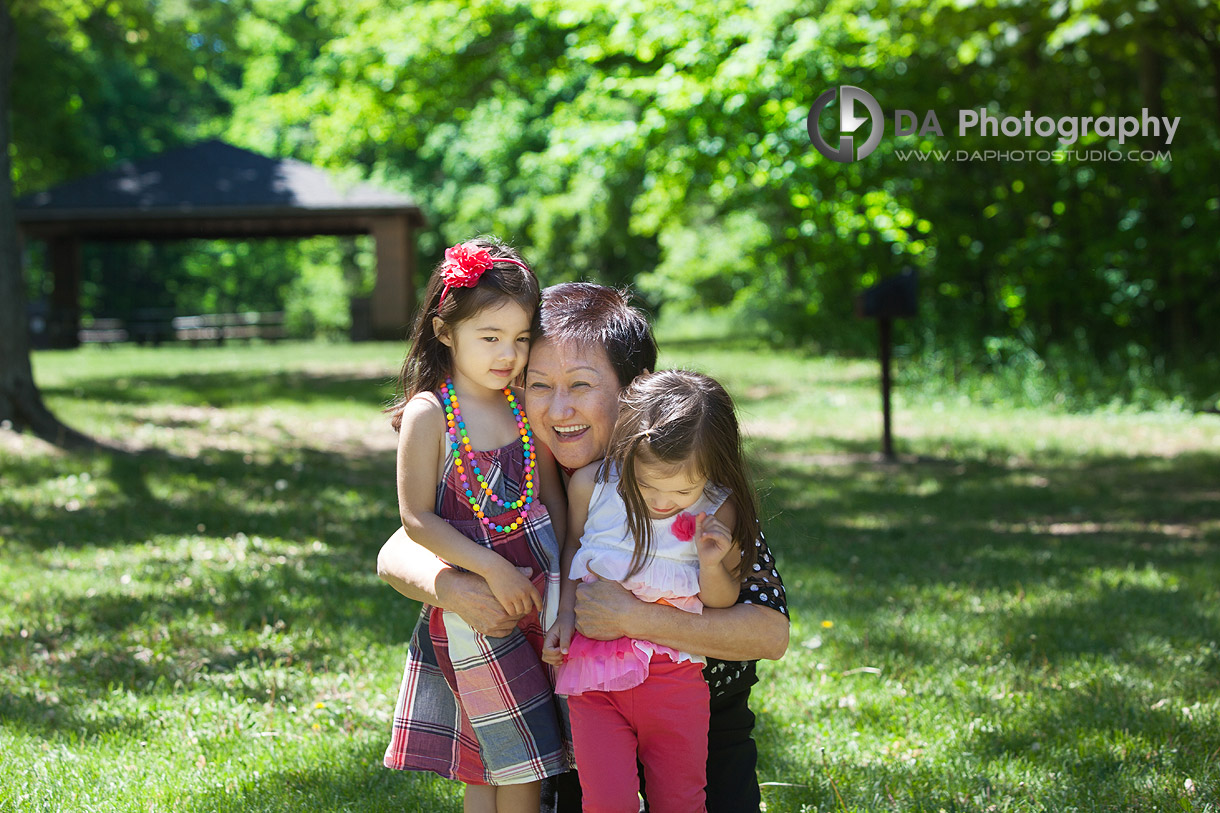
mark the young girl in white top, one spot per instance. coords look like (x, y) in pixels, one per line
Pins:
(665, 515)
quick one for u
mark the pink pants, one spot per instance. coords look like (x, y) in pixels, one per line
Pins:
(663, 722)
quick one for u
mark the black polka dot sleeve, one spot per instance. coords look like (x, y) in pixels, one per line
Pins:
(765, 588)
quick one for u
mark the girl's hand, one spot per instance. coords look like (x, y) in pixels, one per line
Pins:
(714, 540)
(516, 594)
(469, 596)
(559, 638)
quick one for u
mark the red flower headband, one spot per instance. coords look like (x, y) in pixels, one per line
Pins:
(465, 263)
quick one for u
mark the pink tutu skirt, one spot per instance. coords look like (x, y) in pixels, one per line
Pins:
(603, 666)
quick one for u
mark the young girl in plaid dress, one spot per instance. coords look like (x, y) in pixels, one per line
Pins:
(474, 488)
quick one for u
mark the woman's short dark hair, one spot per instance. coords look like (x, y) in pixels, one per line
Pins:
(591, 314)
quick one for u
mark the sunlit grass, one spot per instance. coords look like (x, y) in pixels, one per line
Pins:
(1021, 613)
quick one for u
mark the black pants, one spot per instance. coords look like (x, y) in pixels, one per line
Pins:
(732, 760)
(732, 756)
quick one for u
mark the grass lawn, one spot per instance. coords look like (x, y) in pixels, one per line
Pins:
(1023, 613)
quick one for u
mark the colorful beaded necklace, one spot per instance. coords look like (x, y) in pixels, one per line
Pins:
(457, 427)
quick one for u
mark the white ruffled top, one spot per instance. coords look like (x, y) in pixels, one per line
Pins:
(672, 571)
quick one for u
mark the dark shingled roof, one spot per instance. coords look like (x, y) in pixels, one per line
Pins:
(209, 179)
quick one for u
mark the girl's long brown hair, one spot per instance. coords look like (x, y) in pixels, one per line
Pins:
(428, 362)
(673, 416)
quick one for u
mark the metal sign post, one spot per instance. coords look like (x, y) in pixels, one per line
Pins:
(891, 298)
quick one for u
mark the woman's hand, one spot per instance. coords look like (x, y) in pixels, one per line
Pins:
(516, 594)
(714, 540)
(603, 609)
(559, 638)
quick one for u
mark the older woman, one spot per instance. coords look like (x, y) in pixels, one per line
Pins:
(592, 345)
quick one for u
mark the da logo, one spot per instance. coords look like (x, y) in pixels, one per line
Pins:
(849, 122)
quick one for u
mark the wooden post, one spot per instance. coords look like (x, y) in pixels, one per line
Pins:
(394, 291)
(63, 321)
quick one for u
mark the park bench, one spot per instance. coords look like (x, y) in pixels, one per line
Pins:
(156, 325)
(219, 327)
(103, 331)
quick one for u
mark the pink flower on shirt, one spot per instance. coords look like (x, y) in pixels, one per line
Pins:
(684, 526)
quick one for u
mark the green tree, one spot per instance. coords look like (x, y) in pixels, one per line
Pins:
(20, 401)
(667, 147)
(82, 85)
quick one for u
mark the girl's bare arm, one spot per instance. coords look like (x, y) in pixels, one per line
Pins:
(550, 490)
(580, 490)
(718, 584)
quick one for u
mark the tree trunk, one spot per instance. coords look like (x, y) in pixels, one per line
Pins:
(1162, 221)
(20, 402)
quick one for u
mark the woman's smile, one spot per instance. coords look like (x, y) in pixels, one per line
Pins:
(571, 432)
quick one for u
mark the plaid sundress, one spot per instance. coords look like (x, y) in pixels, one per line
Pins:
(476, 709)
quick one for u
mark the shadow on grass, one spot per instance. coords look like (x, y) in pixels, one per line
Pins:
(931, 530)
(44, 715)
(314, 494)
(223, 617)
(987, 523)
(1095, 748)
(351, 780)
(237, 630)
(1138, 623)
(1119, 557)
(189, 615)
(1133, 542)
(1077, 723)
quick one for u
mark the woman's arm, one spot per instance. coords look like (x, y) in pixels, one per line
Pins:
(744, 632)
(419, 450)
(416, 573)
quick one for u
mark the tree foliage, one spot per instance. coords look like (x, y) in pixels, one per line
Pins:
(668, 148)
